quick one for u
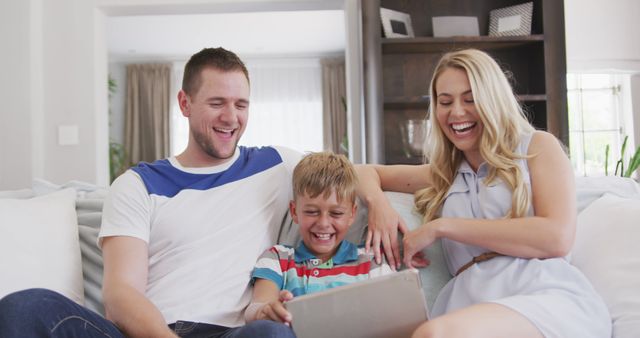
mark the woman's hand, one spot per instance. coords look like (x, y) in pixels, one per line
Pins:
(383, 227)
(275, 310)
(416, 240)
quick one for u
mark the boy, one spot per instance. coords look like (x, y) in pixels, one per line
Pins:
(324, 206)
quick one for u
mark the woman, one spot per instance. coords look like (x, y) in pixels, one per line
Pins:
(501, 197)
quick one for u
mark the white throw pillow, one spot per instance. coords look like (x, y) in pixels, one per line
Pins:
(39, 245)
(22, 193)
(607, 252)
(589, 189)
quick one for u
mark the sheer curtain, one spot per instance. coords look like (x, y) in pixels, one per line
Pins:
(179, 124)
(334, 95)
(286, 105)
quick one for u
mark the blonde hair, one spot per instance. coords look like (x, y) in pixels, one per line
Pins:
(324, 173)
(504, 123)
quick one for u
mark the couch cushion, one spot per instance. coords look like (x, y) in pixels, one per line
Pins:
(606, 251)
(89, 219)
(39, 245)
(89, 201)
(589, 189)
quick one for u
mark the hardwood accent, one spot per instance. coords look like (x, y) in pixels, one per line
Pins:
(434, 45)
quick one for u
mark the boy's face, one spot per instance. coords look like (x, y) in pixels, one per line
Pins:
(323, 222)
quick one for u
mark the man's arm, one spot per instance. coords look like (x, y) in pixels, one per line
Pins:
(125, 279)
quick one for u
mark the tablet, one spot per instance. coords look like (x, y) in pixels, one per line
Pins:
(388, 306)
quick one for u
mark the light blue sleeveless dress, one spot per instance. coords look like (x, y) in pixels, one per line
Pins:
(554, 295)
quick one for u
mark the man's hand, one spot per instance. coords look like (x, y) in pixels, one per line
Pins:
(275, 310)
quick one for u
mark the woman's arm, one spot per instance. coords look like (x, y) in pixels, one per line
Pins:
(267, 303)
(549, 233)
(384, 221)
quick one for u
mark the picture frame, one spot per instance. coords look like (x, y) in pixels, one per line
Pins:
(396, 24)
(511, 21)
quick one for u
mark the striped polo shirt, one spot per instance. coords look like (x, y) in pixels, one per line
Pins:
(300, 272)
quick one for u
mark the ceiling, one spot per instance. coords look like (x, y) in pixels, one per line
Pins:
(254, 34)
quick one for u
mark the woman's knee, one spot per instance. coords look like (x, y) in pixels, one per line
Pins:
(423, 331)
(431, 329)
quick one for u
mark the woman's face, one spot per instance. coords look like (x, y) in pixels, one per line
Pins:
(456, 113)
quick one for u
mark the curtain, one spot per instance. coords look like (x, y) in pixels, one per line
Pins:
(334, 95)
(147, 112)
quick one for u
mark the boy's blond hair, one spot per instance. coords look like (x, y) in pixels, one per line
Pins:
(324, 173)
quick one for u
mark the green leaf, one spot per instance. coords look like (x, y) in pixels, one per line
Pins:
(618, 166)
(606, 160)
(624, 147)
(634, 163)
(117, 159)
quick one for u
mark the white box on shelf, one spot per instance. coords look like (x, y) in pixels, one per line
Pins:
(446, 26)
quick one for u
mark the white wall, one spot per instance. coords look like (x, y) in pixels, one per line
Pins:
(15, 89)
(50, 74)
(71, 69)
(605, 36)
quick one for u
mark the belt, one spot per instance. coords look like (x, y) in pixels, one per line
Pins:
(477, 259)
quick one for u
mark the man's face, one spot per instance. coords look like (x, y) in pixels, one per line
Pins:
(217, 112)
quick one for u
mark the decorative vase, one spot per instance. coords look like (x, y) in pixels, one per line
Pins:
(414, 134)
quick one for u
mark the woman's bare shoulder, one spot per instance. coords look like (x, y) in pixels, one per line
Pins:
(543, 141)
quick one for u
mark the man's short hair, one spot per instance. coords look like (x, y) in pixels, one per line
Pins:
(324, 173)
(217, 58)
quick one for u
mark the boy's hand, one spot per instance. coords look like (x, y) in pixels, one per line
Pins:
(275, 310)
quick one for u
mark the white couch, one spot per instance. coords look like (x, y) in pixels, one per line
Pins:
(48, 239)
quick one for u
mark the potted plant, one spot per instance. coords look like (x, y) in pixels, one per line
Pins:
(632, 166)
(117, 153)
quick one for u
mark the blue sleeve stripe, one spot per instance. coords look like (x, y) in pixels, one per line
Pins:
(163, 179)
(269, 274)
(297, 292)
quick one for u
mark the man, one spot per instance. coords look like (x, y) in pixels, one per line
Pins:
(180, 236)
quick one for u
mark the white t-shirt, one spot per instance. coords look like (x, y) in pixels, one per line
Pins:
(205, 228)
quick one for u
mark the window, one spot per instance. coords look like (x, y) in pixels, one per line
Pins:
(286, 104)
(596, 119)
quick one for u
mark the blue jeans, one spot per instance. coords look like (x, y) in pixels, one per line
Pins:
(45, 313)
